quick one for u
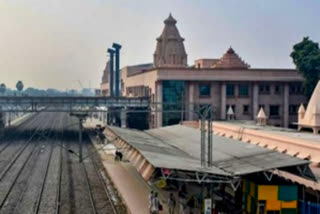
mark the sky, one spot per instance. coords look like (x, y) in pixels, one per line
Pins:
(62, 44)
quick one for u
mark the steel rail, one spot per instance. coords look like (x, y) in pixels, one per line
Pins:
(105, 188)
(58, 194)
(38, 201)
(11, 134)
(34, 165)
(94, 209)
(84, 170)
(16, 157)
(19, 172)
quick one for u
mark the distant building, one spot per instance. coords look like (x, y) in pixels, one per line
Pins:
(105, 81)
(97, 92)
(222, 83)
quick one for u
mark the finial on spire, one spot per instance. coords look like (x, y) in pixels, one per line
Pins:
(170, 20)
(170, 51)
(230, 50)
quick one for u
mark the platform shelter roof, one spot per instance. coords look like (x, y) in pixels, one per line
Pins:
(178, 147)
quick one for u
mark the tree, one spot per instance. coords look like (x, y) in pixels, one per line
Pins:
(19, 86)
(3, 88)
(306, 57)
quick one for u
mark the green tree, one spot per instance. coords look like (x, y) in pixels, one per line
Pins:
(306, 57)
(19, 86)
(3, 88)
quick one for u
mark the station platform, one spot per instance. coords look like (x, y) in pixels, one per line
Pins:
(128, 184)
(131, 187)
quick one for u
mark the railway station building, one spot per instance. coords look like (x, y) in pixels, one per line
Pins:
(226, 82)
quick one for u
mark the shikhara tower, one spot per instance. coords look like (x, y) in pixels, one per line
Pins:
(170, 51)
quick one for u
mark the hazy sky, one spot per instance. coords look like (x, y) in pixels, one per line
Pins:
(56, 43)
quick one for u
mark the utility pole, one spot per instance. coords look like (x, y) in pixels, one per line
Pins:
(80, 139)
(210, 140)
(81, 117)
(203, 141)
(182, 107)
(207, 113)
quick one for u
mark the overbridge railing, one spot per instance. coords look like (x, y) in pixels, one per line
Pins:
(68, 103)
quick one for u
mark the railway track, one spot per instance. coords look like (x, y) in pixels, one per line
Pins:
(4, 143)
(99, 197)
(16, 185)
(40, 171)
(109, 203)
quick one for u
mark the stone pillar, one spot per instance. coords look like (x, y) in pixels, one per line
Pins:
(123, 117)
(223, 101)
(286, 105)
(255, 100)
(159, 101)
(191, 101)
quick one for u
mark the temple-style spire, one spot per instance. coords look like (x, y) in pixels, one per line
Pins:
(106, 72)
(262, 117)
(170, 51)
(231, 60)
(310, 117)
(170, 20)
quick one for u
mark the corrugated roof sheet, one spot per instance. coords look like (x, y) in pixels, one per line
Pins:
(178, 147)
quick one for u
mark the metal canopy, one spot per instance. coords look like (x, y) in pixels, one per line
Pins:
(178, 147)
(67, 103)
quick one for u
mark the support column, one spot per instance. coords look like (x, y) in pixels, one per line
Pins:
(159, 101)
(286, 105)
(111, 78)
(255, 100)
(191, 101)
(117, 48)
(123, 117)
(223, 101)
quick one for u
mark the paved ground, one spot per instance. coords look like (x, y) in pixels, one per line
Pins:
(130, 185)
